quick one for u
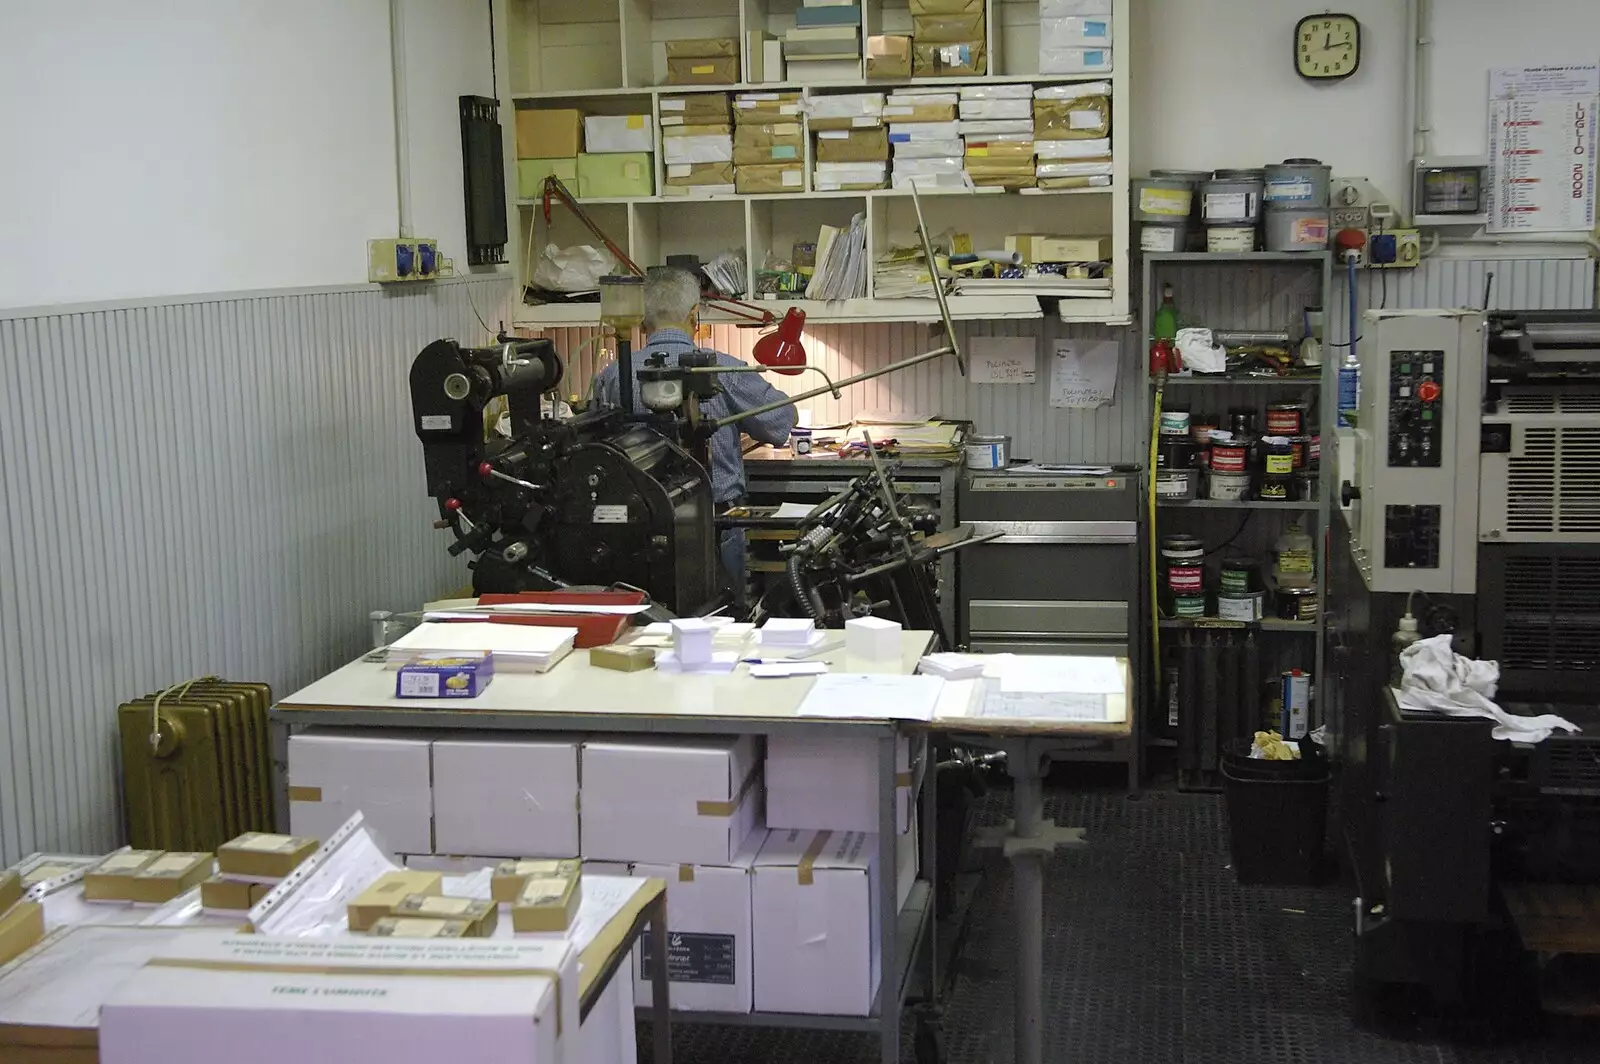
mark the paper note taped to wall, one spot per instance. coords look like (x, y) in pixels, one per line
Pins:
(1002, 359)
(1083, 374)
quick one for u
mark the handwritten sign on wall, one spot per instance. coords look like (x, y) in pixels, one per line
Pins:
(1002, 359)
(1083, 374)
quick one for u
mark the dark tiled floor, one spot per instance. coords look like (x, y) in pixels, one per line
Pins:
(1153, 955)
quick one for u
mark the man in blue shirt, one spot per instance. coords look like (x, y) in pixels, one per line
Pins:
(671, 312)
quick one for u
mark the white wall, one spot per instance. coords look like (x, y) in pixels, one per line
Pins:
(162, 147)
(1214, 81)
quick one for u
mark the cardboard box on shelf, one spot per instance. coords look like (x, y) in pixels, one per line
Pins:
(849, 177)
(696, 109)
(264, 856)
(1064, 8)
(888, 56)
(480, 917)
(1040, 247)
(364, 998)
(761, 107)
(710, 148)
(505, 794)
(231, 895)
(112, 878)
(622, 174)
(21, 928)
(686, 801)
(170, 875)
(995, 150)
(10, 890)
(379, 900)
(688, 175)
(511, 876)
(703, 70)
(947, 28)
(946, 7)
(1075, 31)
(814, 921)
(546, 903)
(702, 47)
(823, 783)
(853, 146)
(708, 921)
(1074, 60)
(334, 774)
(825, 70)
(532, 172)
(614, 134)
(773, 67)
(953, 60)
(1083, 118)
(549, 133)
(830, 15)
(419, 927)
(996, 109)
(914, 110)
(772, 142)
(1073, 149)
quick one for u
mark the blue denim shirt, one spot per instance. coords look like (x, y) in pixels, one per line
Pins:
(739, 391)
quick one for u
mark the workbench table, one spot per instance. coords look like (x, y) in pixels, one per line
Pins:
(575, 697)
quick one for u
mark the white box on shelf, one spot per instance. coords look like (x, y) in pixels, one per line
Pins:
(1068, 8)
(1004, 107)
(702, 148)
(822, 783)
(873, 638)
(923, 182)
(904, 167)
(708, 922)
(1074, 60)
(506, 795)
(814, 917)
(806, 71)
(1074, 32)
(909, 132)
(772, 65)
(948, 148)
(617, 133)
(336, 773)
(682, 801)
(1072, 149)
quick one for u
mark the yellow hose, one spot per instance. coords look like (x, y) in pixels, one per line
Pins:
(1155, 607)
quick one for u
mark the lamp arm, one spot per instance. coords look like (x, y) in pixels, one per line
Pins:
(779, 404)
(834, 388)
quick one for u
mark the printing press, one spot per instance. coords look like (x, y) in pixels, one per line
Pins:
(1471, 499)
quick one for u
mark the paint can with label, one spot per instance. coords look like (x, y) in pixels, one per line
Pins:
(1242, 421)
(1296, 603)
(1232, 197)
(1174, 422)
(1285, 419)
(988, 452)
(1161, 236)
(1230, 457)
(1177, 485)
(1201, 427)
(1275, 487)
(1236, 575)
(1239, 607)
(1277, 459)
(1296, 183)
(1183, 563)
(1162, 200)
(1298, 229)
(1227, 487)
(1177, 452)
(1189, 606)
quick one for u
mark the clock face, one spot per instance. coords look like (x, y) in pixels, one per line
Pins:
(1327, 47)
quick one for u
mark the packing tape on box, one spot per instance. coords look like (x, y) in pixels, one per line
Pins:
(686, 873)
(382, 971)
(809, 858)
(305, 794)
(731, 807)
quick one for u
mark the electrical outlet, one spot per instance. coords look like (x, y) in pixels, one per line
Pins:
(391, 260)
(1350, 218)
(1407, 250)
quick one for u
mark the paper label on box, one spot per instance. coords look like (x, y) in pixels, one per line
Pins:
(1084, 119)
(443, 907)
(864, 121)
(833, 134)
(170, 866)
(1227, 206)
(785, 151)
(692, 958)
(791, 178)
(266, 843)
(637, 121)
(125, 862)
(674, 105)
(1094, 58)
(419, 685)
(671, 120)
(611, 515)
(979, 152)
(401, 927)
(1096, 28)
(680, 170)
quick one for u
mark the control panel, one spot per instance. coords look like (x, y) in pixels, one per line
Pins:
(1411, 537)
(1416, 408)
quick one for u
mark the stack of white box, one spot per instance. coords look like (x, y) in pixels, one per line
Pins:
(851, 148)
(1074, 36)
(925, 137)
(1072, 135)
(997, 131)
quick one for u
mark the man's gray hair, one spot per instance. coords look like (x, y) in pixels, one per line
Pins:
(670, 296)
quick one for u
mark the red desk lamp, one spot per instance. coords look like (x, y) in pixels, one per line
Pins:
(780, 350)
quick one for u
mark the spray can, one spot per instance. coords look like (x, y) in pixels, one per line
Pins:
(1349, 389)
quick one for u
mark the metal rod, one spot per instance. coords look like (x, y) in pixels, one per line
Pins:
(660, 991)
(624, 374)
(1027, 890)
(938, 287)
(888, 902)
(779, 404)
(767, 369)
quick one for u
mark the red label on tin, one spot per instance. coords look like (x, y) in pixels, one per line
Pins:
(1228, 459)
(1283, 422)
(1183, 579)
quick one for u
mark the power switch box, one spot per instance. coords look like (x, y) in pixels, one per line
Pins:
(393, 260)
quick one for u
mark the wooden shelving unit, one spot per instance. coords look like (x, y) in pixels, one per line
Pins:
(608, 57)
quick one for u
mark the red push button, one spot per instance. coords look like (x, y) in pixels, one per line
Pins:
(1428, 391)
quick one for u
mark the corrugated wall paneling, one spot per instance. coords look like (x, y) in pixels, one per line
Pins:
(1519, 284)
(225, 485)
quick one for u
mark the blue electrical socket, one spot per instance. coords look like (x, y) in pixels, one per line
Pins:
(1383, 248)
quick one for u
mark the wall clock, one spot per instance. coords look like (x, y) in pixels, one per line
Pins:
(1327, 47)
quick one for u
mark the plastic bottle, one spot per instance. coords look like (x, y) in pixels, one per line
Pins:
(1296, 563)
(1405, 633)
(1349, 389)
(1164, 325)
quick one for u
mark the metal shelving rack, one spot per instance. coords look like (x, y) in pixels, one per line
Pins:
(1256, 291)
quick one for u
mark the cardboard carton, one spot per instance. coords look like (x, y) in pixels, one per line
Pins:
(1039, 247)
(231, 895)
(888, 56)
(755, 144)
(399, 1001)
(333, 774)
(549, 133)
(827, 783)
(263, 856)
(696, 108)
(948, 28)
(779, 177)
(1083, 118)
(703, 70)
(506, 794)
(610, 134)
(112, 878)
(766, 107)
(708, 919)
(10, 890)
(623, 174)
(170, 875)
(674, 801)
(21, 928)
(702, 47)
(480, 917)
(546, 903)
(912, 109)
(379, 900)
(853, 146)
(511, 876)
(418, 927)
(716, 148)
(955, 59)
(814, 917)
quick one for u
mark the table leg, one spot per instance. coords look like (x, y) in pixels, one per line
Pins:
(660, 1003)
(888, 903)
(278, 732)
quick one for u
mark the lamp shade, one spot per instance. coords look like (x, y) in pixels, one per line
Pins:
(780, 350)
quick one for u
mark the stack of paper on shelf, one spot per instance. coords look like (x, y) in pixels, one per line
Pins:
(997, 128)
(902, 273)
(1074, 36)
(516, 647)
(852, 147)
(824, 43)
(948, 38)
(768, 143)
(841, 271)
(702, 61)
(852, 110)
(925, 137)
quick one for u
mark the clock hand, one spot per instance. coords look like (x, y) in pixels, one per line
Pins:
(1327, 42)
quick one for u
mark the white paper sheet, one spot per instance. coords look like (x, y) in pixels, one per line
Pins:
(870, 696)
(1058, 674)
(1083, 375)
(768, 670)
(794, 509)
(1031, 705)
(1002, 360)
(315, 902)
(1542, 149)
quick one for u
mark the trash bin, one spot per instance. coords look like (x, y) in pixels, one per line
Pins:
(1277, 819)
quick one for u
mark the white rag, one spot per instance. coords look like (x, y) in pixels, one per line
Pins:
(1436, 679)
(1199, 353)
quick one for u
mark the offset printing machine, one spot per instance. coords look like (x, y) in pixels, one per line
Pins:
(1471, 493)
